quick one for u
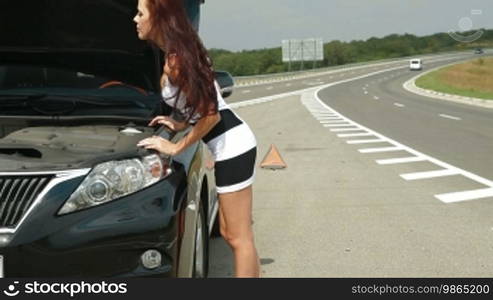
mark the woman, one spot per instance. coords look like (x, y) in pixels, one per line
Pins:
(189, 87)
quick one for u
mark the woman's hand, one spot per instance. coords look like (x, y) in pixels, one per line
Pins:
(203, 126)
(159, 144)
(169, 122)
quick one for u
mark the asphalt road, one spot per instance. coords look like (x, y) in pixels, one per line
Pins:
(242, 93)
(458, 134)
(339, 212)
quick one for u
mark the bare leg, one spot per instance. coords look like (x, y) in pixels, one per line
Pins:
(235, 213)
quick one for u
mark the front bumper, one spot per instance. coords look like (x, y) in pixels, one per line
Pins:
(103, 241)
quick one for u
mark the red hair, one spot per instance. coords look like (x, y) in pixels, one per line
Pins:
(195, 77)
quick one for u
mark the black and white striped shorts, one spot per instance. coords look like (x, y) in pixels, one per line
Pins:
(234, 148)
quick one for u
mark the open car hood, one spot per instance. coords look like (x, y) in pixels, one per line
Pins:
(94, 36)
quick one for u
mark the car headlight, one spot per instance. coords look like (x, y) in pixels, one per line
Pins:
(114, 179)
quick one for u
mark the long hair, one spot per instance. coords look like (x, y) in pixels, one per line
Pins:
(195, 78)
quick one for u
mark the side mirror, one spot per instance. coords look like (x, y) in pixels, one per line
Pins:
(226, 83)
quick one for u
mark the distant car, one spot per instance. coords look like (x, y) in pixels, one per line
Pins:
(226, 83)
(478, 51)
(415, 64)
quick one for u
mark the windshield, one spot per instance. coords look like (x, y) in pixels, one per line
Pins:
(89, 93)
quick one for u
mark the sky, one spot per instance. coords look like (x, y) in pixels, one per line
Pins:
(254, 24)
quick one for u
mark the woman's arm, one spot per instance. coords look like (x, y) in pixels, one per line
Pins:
(170, 122)
(201, 128)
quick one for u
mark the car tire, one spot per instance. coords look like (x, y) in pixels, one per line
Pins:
(216, 227)
(201, 253)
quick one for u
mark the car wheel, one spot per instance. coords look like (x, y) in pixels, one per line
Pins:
(216, 227)
(201, 256)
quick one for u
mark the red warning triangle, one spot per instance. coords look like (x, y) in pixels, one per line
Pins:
(273, 160)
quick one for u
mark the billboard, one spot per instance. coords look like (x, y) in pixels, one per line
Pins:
(302, 50)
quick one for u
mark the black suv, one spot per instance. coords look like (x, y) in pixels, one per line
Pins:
(77, 196)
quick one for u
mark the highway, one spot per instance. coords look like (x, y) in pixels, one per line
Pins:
(458, 134)
(380, 181)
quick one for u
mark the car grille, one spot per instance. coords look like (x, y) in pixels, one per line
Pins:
(17, 194)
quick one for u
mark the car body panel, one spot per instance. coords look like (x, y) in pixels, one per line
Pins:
(226, 83)
(52, 129)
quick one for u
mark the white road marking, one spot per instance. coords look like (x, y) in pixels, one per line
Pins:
(366, 92)
(288, 84)
(447, 168)
(399, 105)
(402, 160)
(322, 112)
(353, 134)
(325, 116)
(338, 125)
(333, 121)
(328, 118)
(466, 195)
(429, 174)
(365, 141)
(376, 150)
(399, 147)
(269, 88)
(375, 97)
(346, 129)
(245, 91)
(450, 117)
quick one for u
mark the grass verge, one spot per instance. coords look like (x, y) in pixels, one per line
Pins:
(471, 79)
